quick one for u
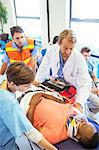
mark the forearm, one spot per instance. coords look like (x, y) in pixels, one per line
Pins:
(36, 83)
(94, 90)
(46, 145)
(79, 107)
(94, 77)
(36, 137)
(82, 96)
(34, 65)
(3, 68)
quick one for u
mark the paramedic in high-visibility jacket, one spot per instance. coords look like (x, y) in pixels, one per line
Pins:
(19, 49)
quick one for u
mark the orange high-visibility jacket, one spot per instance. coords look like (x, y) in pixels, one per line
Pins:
(24, 55)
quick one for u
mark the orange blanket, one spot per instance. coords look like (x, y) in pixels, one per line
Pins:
(50, 118)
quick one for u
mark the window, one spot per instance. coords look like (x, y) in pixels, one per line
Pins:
(28, 16)
(84, 20)
(0, 31)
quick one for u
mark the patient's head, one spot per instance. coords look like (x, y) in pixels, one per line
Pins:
(19, 77)
(87, 135)
(86, 52)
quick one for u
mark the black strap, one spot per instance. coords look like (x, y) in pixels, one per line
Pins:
(30, 91)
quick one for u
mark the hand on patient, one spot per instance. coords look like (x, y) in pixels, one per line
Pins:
(36, 83)
(95, 90)
(98, 92)
(79, 107)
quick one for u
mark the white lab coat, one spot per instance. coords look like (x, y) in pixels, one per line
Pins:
(75, 71)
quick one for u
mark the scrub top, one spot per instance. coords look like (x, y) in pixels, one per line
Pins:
(13, 122)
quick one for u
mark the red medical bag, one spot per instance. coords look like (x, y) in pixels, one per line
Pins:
(66, 90)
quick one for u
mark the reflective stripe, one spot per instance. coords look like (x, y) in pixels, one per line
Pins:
(25, 61)
(28, 47)
(15, 49)
(10, 49)
(31, 46)
(12, 60)
(24, 55)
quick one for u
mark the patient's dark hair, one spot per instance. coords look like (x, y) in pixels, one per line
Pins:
(55, 39)
(19, 73)
(85, 49)
(90, 143)
(16, 29)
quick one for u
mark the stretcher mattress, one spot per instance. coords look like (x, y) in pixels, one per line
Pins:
(72, 145)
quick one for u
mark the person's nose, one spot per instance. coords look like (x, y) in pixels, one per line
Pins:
(69, 51)
(20, 39)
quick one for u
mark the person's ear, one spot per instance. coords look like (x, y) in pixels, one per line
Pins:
(59, 43)
(78, 136)
(13, 38)
(12, 83)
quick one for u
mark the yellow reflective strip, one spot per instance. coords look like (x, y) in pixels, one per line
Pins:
(27, 60)
(39, 49)
(28, 47)
(31, 46)
(4, 84)
(13, 60)
(10, 49)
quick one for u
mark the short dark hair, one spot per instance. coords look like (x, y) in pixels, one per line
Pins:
(85, 49)
(90, 143)
(16, 29)
(4, 37)
(55, 39)
(19, 73)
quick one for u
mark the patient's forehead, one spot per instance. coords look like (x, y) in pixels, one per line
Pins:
(87, 129)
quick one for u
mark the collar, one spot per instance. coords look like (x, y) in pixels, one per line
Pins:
(73, 124)
(61, 59)
(14, 45)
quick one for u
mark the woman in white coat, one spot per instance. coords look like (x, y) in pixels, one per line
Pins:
(67, 63)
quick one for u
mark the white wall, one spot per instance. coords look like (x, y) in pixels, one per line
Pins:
(11, 15)
(44, 23)
(67, 17)
(57, 16)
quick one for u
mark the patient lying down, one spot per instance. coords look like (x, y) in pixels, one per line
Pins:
(58, 121)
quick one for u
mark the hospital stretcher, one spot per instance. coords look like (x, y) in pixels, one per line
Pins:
(25, 144)
(67, 144)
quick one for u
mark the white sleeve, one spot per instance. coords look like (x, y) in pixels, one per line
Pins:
(83, 83)
(80, 78)
(44, 68)
(34, 135)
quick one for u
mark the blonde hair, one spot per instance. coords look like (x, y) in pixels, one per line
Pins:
(69, 35)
